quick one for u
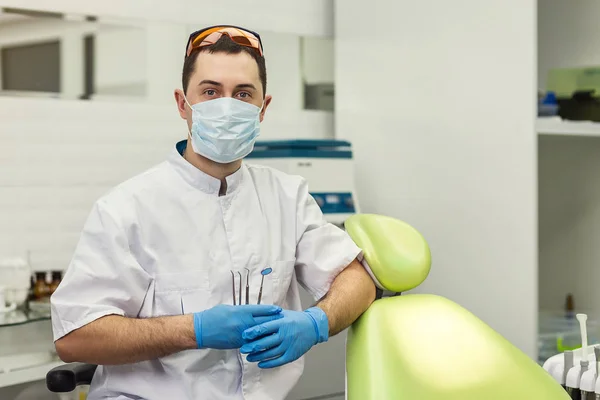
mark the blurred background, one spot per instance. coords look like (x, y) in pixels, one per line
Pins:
(476, 122)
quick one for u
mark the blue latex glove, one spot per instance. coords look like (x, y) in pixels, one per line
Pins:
(221, 327)
(279, 342)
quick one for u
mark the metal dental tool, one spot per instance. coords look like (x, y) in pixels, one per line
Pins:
(264, 272)
(247, 286)
(233, 286)
(240, 274)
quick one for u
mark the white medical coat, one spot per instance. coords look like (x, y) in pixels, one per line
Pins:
(164, 243)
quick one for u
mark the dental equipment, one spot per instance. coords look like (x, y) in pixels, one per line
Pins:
(588, 379)
(574, 375)
(327, 165)
(240, 274)
(597, 388)
(264, 272)
(247, 286)
(233, 286)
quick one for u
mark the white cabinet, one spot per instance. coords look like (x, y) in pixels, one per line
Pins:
(569, 216)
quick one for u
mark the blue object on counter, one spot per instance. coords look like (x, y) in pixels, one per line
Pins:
(549, 99)
(548, 106)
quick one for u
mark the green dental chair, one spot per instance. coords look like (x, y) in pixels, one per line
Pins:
(411, 346)
(425, 347)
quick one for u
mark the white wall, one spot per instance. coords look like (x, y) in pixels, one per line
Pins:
(60, 156)
(568, 32)
(569, 193)
(438, 99)
(284, 81)
(306, 17)
(120, 60)
(317, 57)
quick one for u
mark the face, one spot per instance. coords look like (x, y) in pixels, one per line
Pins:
(222, 75)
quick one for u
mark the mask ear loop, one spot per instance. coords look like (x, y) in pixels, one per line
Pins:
(190, 106)
(186, 101)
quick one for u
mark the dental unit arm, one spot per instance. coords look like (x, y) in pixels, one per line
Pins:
(426, 347)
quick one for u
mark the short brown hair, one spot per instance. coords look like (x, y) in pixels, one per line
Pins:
(228, 46)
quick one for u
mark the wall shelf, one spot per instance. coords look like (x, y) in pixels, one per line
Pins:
(25, 375)
(557, 126)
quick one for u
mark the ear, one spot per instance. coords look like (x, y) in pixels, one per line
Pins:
(182, 106)
(268, 99)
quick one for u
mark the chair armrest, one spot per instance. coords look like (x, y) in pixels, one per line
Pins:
(65, 378)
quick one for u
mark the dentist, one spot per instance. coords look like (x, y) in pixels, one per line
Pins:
(153, 294)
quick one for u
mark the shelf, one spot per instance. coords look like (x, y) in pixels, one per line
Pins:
(20, 317)
(557, 126)
(26, 375)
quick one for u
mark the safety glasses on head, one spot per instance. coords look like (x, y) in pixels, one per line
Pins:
(210, 35)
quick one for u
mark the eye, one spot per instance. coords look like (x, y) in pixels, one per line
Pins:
(244, 95)
(210, 92)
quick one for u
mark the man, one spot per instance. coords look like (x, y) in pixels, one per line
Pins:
(184, 284)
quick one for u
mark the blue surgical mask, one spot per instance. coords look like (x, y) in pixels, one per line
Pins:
(224, 129)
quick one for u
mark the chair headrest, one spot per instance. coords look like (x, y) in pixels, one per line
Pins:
(397, 254)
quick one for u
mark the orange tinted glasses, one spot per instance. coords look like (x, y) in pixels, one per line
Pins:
(209, 36)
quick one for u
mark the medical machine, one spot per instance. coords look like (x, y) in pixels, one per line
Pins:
(577, 370)
(326, 164)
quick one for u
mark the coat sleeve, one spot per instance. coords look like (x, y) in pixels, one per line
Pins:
(323, 250)
(103, 277)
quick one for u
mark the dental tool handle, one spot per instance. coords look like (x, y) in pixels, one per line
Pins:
(260, 291)
(240, 274)
(582, 318)
(247, 287)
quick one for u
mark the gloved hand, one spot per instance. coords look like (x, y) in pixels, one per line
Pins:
(275, 343)
(221, 327)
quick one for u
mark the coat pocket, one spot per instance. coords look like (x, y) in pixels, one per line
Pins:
(171, 289)
(283, 271)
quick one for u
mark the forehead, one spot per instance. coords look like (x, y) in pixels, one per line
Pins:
(226, 68)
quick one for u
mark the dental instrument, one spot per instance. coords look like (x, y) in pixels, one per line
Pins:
(587, 386)
(559, 373)
(233, 286)
(240, 274)
(247, 286)
(264, 272)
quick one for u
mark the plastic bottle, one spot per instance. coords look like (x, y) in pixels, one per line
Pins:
(41, 289)
(570, 307)
(56, 278)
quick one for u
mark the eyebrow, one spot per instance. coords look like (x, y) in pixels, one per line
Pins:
(215, 83)
(209, 82)
(245, 86)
